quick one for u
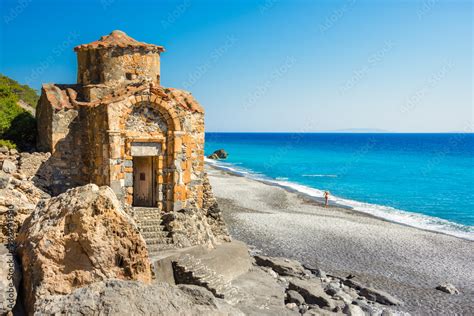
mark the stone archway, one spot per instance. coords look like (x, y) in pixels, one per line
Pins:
(150, 129)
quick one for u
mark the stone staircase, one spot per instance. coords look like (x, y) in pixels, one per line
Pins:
(150, 224)
(190, 270)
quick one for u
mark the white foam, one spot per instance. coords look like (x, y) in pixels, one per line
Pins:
(385, 212)
(321, 175)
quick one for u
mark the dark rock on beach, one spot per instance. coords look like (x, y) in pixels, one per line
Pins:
(447, 288)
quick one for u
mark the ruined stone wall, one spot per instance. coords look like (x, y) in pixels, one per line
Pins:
(66, 156)
(95, 153)
(191, 155)
(44, 124)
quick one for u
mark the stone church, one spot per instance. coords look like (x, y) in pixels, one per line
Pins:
(119, 127)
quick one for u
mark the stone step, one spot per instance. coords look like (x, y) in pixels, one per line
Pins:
(154, 234)
(145, 220)
(149, 222)
(156, 248)
(205, 276)
(157, 241)
(149, 229)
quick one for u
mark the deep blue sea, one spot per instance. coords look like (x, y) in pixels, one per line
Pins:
(422, 180)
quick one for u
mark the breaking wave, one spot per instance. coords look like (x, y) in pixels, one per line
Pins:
(412, 219)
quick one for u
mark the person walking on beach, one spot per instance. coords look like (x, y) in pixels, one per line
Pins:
(326, 198)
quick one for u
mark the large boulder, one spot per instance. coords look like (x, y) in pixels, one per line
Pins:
(8, 166)
(10, 277)
(117, 297)
(218, 154)
(77, 238)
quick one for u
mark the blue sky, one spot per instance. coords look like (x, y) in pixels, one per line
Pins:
(273, 65)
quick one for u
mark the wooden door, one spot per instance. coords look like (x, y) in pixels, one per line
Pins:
(143, 183)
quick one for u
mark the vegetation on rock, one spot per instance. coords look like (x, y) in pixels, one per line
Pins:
(16, 125)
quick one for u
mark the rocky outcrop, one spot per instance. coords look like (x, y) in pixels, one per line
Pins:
(117, 297)
(197, 226)
(10, 277)
(18, 192)
(213, 213)
(312, 292)
(282, 266)
(373, 294)
(218, 154)
(309, 291)
(8, 166)
(77, 238)
(189, 227)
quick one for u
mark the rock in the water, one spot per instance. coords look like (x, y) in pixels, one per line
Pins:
(294, 297)
(77, 238)
(10, 277)
(312, 292)
(118, 297)
(282, 266)
(8, 166)
(447, 288)
(218, 154)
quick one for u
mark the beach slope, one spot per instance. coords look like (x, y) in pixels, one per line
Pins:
(404, 261)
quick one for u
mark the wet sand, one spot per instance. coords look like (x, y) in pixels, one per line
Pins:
(404, 261)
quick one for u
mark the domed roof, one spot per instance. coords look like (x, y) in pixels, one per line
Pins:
(117, 39)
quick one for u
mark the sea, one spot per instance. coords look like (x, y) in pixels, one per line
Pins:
(421, 180)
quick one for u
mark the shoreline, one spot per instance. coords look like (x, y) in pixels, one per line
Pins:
(404, 261)
(335, 204)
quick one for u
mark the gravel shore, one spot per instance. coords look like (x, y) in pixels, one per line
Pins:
(404, 261)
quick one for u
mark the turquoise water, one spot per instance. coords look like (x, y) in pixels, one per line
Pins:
(423, 180)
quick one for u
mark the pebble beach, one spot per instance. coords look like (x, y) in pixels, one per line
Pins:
(404, 261)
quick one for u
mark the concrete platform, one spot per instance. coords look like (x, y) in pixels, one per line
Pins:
(229, 260)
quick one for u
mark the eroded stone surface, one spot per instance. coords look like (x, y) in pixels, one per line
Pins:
(282, 266)
(10, 277)
(118, 297)
(18, 194)
(80, 237)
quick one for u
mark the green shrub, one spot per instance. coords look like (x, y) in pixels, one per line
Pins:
(24, 92)
(16, 124)
(22, 131)
(7, 143)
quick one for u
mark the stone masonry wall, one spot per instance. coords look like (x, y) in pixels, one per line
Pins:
(118, 66)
